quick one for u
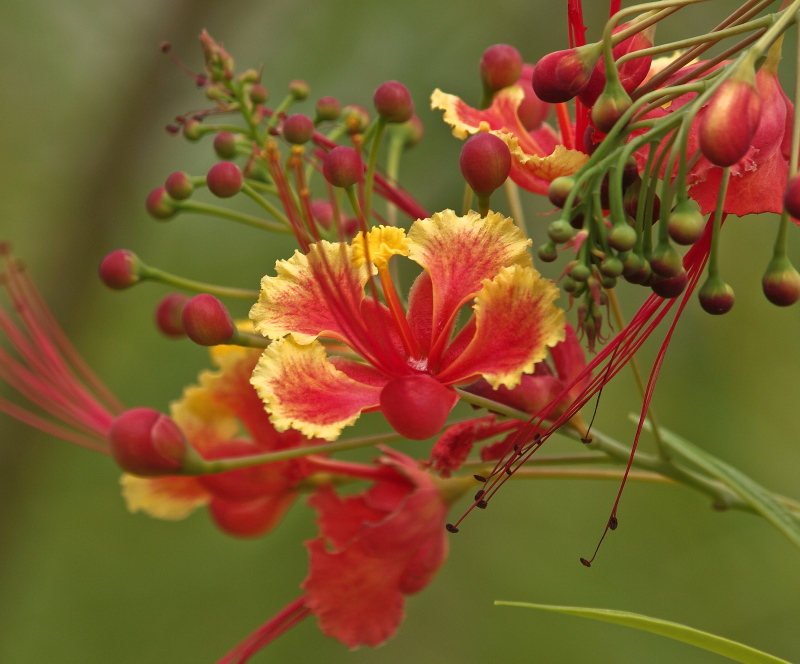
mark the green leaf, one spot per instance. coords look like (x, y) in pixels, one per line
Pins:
(753, 494)
(711, 642)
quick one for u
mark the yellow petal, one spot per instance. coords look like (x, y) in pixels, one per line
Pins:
(169, 498)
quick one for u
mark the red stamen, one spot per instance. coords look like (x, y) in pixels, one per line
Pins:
(290, 616)
(565, 126)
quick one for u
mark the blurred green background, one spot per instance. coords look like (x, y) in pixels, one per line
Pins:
(86, 94)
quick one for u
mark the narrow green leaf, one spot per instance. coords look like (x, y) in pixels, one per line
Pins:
(711, 642)
(751, 493)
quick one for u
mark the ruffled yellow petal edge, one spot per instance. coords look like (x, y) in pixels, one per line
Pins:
(168, 498)
(302, 390)
(382, 242)
(466, 120)
(296, 301)
(516, 321)
(560, 162)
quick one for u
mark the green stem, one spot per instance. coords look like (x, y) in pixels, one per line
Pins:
(515, 205)
(232, 215)
(369, 181)
(154, 274)
(250, 192)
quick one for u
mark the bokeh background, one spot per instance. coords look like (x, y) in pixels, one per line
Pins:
(85, 96)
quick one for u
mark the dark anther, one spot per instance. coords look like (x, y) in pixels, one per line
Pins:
(537, 436)
(479, 495)
(586, 440)
(516, 448)
(165, 47)
(451, 528)
(480, 478)
(481, 505)
(509, 472)
(585, 562)
(172, 129)
(613, 523)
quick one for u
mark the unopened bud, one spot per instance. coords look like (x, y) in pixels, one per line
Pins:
(193, 130)
(356, 119)
(622, 237)
(168, 315)
(730, 121)
(559, 190)
(322, 210)
(145, 442)
(560, 231)
(393, 102)
(781, 282)
(791, 199)
(206, 321)
(328, 109)
(224, 179)
(299, 89)
(298, 129)
(160, 205)
(716, 297)
(410, 131)
(686, 223)
(532, 111)
(610, 106)
(559, 76)
(179, 186)
(342, 166)
(485, 162)
(259, 94)
(670, 287)
(665, 261)
(120, 269)
(225, 145)
(501, 66)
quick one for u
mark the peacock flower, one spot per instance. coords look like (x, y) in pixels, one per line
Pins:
(213, 416)
(538, 156)
(403, 362)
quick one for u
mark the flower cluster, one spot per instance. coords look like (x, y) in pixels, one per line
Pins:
(655, 153)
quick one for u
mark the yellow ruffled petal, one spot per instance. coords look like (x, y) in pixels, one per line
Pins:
(302, 390)
(558, 163)
(383, 242)
(169, 498)
(308, 288)
(516, 320)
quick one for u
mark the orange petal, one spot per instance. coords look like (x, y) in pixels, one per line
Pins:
(314, 294)
(459, 253)
(515, 322)
(304, 391)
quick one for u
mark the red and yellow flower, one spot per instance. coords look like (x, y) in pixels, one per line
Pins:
(404, 362)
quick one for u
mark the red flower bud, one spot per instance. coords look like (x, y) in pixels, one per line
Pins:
(225, 145)
(501, 66)
(298, 129)
(224, 179)
(159, 205)
(168, 315)
(485, 162)
(119, 269)
(206, 321)
(730, 121)
(631, 73)
(328, 109)
(145, 442)
(179, 186)
(559, 76)
(417, 406)
(342, 166)
(393, 102)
